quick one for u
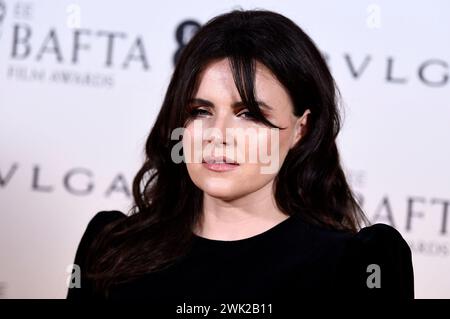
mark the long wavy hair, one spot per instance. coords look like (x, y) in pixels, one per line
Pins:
(158, 229)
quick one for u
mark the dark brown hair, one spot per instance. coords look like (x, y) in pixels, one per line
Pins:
(311, 181)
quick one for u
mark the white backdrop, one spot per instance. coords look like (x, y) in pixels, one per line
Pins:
(82, 81)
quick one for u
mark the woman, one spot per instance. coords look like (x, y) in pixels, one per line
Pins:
(219, 226)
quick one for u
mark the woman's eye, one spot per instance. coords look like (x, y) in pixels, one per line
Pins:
(197, 112)
(247, 115)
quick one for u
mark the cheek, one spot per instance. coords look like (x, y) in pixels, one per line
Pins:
(192, 144)
(283, 143)
(273, 145)
(260, 145)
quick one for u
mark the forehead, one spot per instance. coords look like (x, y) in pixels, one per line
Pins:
(216, 82)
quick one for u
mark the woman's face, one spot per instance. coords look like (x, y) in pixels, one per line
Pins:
(220, 127)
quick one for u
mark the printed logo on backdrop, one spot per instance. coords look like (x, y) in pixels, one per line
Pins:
(423, 220)
(183, 34)
(44, 53)
(431, 72)
(75, 181)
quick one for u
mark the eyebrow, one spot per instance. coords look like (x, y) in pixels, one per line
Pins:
(234, 105)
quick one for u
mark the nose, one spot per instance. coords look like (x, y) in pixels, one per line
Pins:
(215, 137)
(216, 132)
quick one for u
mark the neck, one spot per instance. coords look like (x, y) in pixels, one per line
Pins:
(239, 218)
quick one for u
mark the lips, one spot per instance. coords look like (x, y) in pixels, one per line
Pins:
(219, 160)
(219, 164)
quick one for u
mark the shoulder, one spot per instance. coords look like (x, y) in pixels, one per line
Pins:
(378, 263)
(381, 243)
(98, 222)
(94, 227)
(378, 234)
(103, 218)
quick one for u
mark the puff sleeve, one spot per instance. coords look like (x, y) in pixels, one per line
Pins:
(377, 263)
(96, 224)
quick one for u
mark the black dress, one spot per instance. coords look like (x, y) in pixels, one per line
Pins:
(291, 260)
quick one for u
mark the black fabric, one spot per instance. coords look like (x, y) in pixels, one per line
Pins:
(290, 261)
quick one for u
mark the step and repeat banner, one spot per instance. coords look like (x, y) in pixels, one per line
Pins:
(81, 83)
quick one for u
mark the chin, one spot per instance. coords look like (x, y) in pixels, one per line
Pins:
(225, 196)
(221, 188)
(226, 186)
(218, 191)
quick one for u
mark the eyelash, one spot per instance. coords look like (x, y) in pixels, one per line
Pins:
(196, 112)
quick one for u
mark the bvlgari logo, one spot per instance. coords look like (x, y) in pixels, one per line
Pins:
(77, 181)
